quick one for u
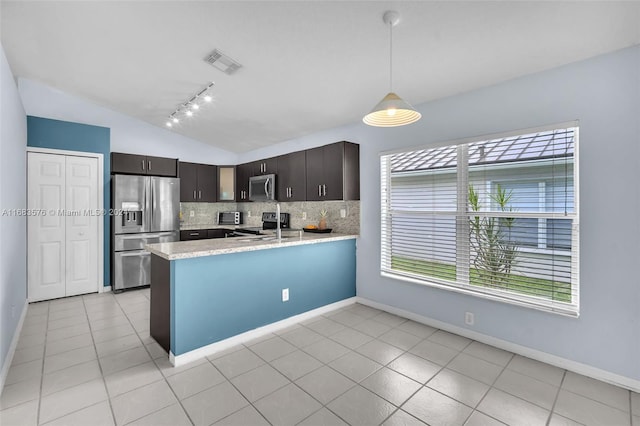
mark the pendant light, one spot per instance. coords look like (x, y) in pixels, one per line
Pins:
(391, 111)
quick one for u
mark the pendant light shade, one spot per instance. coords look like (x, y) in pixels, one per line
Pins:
(391, 111)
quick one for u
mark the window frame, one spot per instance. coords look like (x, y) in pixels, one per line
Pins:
(535, 302)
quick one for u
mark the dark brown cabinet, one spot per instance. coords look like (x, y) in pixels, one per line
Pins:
(198, 182)
(218, 233)
(195, 234)
(265, 167)
(122, 163)
(243, 173)
(333, 172)
(204, 234)
(291, 179)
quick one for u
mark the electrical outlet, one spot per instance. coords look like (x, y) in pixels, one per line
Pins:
(304, 215)
(469, 318)
(285, 294)
(343, 213)
(249, 213)
(192, 213)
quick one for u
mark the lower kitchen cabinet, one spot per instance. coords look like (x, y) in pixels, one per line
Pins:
(203, 234)
(195, 234)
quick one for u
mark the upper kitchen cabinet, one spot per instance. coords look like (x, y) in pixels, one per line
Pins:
(143, 165)
(333, 172)
(243, 173)
(265, 167)
(226, 183)
(292, 177)
(198, 182)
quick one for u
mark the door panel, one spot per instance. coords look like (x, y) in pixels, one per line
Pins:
(130, 195)
(188, 182)
(160, 166)
(46, 232)
(81, 225)
(50, 262)
(333, 158)
(134, 265)
(165, 205)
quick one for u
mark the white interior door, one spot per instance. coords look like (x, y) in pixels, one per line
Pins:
(63, 234)
(46, 229)
(82, 225)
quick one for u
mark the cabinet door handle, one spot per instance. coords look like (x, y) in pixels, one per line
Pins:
(149, 165)
(199, 195)
(194, 234)
(142, 164)
(324, 190)
(319, 190)
(194, 194)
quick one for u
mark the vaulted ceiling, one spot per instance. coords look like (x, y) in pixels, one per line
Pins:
(306, 65)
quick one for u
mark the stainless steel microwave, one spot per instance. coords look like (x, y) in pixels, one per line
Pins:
(262, 188)
(229, 218)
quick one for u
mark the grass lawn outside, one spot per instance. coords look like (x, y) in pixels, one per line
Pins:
(553, 290)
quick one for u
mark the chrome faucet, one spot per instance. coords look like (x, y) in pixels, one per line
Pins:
(278, 231)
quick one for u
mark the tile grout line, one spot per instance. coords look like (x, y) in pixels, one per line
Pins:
(44, 357)
(492, 386)
(164, 378)
(555, 400)
(104, 383)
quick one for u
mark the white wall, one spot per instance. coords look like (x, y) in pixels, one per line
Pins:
(13, 195)
(128, 134)
(604, 94)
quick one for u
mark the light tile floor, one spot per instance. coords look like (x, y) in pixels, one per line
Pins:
(89, 360)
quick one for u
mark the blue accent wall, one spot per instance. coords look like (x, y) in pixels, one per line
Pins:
(217, 297)
(64, 135)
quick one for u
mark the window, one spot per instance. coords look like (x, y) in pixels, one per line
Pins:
(496, 218)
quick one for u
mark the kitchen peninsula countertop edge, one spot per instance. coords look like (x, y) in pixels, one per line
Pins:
(211, 247)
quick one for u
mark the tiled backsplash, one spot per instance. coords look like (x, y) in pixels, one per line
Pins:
(206, 214)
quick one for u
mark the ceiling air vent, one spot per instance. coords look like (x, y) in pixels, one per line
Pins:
(222, 62)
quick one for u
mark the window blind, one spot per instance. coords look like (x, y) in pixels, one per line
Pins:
(497, 218)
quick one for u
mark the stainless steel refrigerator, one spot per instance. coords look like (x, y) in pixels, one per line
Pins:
(147, 211)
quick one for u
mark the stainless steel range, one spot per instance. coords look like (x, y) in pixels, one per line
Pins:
(269, 223)
(150, 208)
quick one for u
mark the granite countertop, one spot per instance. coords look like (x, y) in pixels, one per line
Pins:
(210, 247)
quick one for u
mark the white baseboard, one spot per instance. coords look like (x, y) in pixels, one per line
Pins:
(211, 349)
(567, 364)
(12, 348)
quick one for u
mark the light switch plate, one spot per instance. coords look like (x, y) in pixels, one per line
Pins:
(192, 213)
(343, 213)
(285, 294)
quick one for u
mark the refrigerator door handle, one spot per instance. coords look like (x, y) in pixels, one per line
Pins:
(153, 203)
